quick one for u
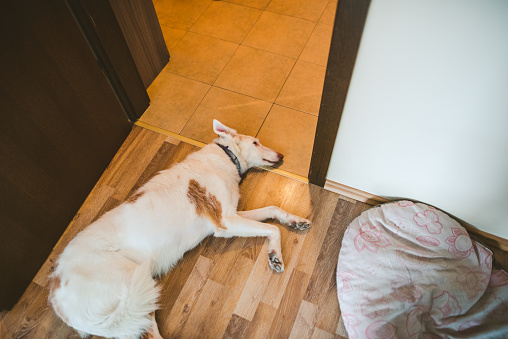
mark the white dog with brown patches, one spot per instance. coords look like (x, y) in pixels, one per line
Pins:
(103, 282)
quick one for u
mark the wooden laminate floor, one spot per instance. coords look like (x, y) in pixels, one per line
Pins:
(223, 288)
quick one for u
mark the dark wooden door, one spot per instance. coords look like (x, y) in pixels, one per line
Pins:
(143, 34)
(347, 33)
(61, 124)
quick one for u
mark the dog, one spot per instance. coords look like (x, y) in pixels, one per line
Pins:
(103, 281)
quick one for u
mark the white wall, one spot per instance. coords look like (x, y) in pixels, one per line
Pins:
(426, 115)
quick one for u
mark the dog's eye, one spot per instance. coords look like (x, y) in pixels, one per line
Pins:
(255, 143)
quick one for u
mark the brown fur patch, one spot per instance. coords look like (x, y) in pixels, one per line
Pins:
(135, 197)
(150, 333)
(206, 203)
(54, 284)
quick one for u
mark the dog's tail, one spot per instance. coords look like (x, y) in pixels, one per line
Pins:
(138, 300)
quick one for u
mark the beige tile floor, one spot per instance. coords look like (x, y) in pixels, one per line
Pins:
(255, 65)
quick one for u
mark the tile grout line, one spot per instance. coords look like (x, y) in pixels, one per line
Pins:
(211, 86)
(241, 44)
(300, 54)
(187, 31)
(243, 5)
(223, 68)
(294, 65)
(264, 120)
(313, 30)
(194, 24)
(296, 60)
(247, 95)
(243, 94)
(195, 109)
(202, 144)
(262, 11)
(238, 47)
(292, 16)
(250, 30)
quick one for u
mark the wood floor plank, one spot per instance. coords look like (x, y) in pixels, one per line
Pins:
(160, 161)
(292, 243)
(204, 316)
(267, 192)
(234, 285)
(324, 203)
(108, 206)
(323, 274)
(259, 327)
(216, 302)
(131, 161)
(322, 288)
(305, 321)
(225, 250)
(18, 321)
(174, 281)
(318, 333)
(253, 247)
(328, 315)
(174, 323)
(255, 288)
(32, 317)
(167, 155)
(237, 328)
(224, 269)
(287, 312)
(262, 189)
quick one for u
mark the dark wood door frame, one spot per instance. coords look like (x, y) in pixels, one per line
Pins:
(100, 28)
(347, 33)
(61, 126)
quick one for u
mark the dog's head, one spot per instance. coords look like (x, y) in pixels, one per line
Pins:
(246, 147)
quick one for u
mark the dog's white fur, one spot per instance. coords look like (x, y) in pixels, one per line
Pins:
(103, 283)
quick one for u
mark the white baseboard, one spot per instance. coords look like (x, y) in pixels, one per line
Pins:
(371, 199)
(354, 193)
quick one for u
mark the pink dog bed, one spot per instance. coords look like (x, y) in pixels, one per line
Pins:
(408, 270)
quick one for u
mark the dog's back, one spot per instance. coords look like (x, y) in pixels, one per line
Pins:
(103, 283)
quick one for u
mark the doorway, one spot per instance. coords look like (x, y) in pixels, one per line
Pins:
(255, 65)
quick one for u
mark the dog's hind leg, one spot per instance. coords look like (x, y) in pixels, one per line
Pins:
(276, 213)
(237, 226)
(155, 329)
(153, 332)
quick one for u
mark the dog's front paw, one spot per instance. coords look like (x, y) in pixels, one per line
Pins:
(300, 224)
(275, 262)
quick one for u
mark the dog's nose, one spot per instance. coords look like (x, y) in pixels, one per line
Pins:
(281, 156)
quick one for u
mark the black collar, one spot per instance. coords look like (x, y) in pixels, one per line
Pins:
(233, 158)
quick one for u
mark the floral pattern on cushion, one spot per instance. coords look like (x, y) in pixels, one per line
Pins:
(408, 270)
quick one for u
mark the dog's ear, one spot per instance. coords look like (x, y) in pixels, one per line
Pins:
(222, 130)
